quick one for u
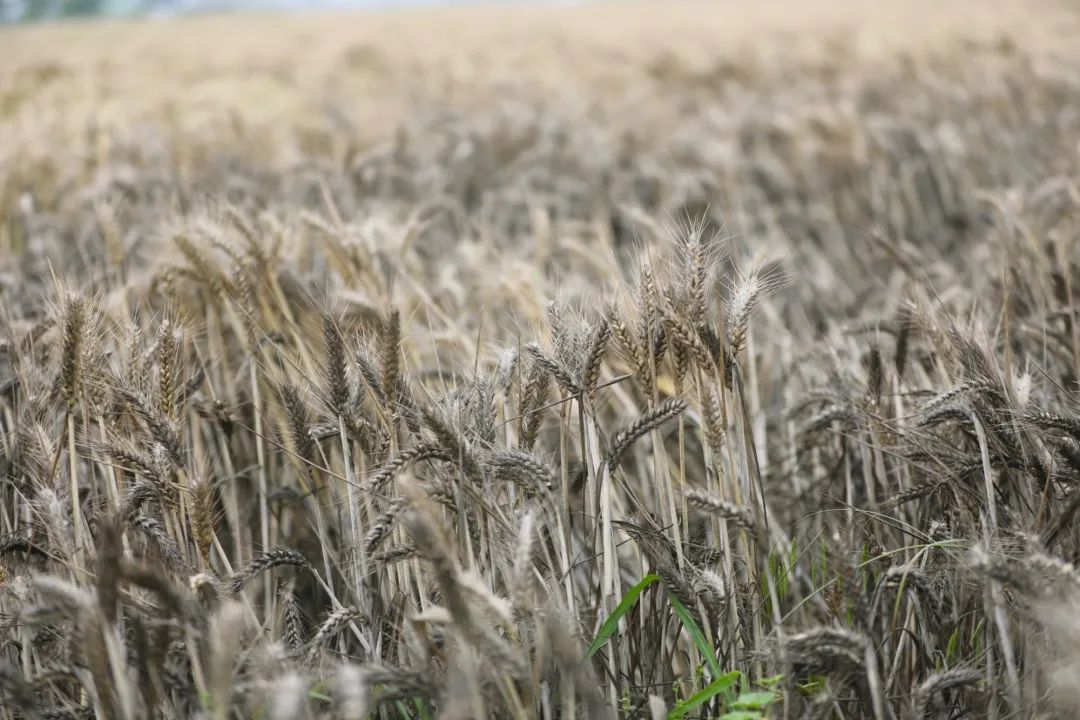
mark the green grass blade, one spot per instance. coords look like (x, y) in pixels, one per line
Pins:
(611, 624)
(703, 645)
(754, 701)
(717, 686)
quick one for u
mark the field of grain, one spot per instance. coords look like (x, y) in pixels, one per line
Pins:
(620, 360)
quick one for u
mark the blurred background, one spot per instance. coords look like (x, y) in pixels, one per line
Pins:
(37, 10)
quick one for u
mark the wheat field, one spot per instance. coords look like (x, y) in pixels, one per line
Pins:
(619, 360)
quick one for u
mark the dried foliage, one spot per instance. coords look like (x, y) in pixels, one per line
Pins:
(306, 419)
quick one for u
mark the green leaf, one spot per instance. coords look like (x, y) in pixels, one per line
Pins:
(813, 685)
(754, 701)
(717, 686)
(696, 635)
(611, 624)
(742, 715)
(771, 681)
(954, 642)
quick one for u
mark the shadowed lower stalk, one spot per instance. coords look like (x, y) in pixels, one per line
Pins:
(994, 599)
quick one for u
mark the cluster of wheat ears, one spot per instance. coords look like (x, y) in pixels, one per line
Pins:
(767, 410)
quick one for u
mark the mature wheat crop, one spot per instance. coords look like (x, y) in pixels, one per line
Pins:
(593, 362)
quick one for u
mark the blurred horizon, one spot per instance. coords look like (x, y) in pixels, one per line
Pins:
(19, 11)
